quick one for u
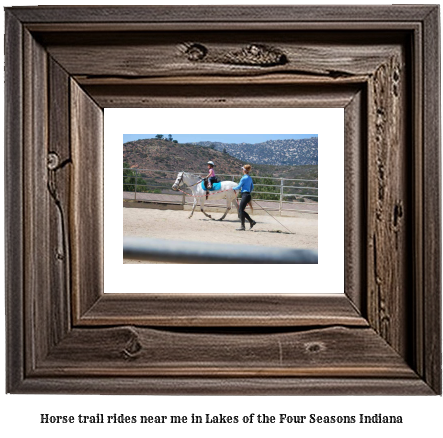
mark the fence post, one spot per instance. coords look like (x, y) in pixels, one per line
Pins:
(135, 185)
(281, 195)
(183, 200)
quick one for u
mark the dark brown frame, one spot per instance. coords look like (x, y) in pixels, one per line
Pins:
(64, 65)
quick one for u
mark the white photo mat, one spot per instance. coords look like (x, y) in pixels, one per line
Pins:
(328, 123)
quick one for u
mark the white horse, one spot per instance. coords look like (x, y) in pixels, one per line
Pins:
(194, 183)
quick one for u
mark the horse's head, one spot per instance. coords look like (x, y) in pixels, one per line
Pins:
(178, 181)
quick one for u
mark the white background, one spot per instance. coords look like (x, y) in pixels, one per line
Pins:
(19, 414)
(328, 123)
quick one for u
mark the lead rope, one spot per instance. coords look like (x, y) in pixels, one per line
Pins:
(202, 196)
(236, 200)
(290, 232)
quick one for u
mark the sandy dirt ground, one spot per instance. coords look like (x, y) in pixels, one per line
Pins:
(175, 225)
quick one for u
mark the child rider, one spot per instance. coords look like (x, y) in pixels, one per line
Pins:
(211, 175)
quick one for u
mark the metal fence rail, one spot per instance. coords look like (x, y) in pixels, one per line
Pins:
(163, 180)
(173, 251)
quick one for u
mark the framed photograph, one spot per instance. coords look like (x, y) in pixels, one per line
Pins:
(223, 182)
(157, 211)
(66, 65)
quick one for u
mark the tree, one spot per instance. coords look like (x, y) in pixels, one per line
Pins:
(174, 141)
(267, 185)
(131, 178)
(160, 136)
(170, 137)
(224, 151)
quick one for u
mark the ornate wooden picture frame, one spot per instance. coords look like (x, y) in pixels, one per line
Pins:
(64, 65)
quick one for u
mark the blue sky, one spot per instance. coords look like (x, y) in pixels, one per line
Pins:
(224, 138)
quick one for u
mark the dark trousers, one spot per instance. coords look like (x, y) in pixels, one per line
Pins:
(245, 198)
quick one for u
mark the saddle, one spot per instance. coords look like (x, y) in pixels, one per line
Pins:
(205, 186)
(205, 183)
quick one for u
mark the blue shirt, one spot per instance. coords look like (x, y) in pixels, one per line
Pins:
(245, 184)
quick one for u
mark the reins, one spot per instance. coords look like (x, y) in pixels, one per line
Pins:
(181, 179)
(198, 182)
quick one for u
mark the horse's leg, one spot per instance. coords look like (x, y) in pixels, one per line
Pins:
(234, 202)
(193, 208)
(228, 207)
(202, 204)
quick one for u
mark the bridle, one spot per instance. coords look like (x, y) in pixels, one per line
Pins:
(181, 177)
(181, 180)
(177, 183)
